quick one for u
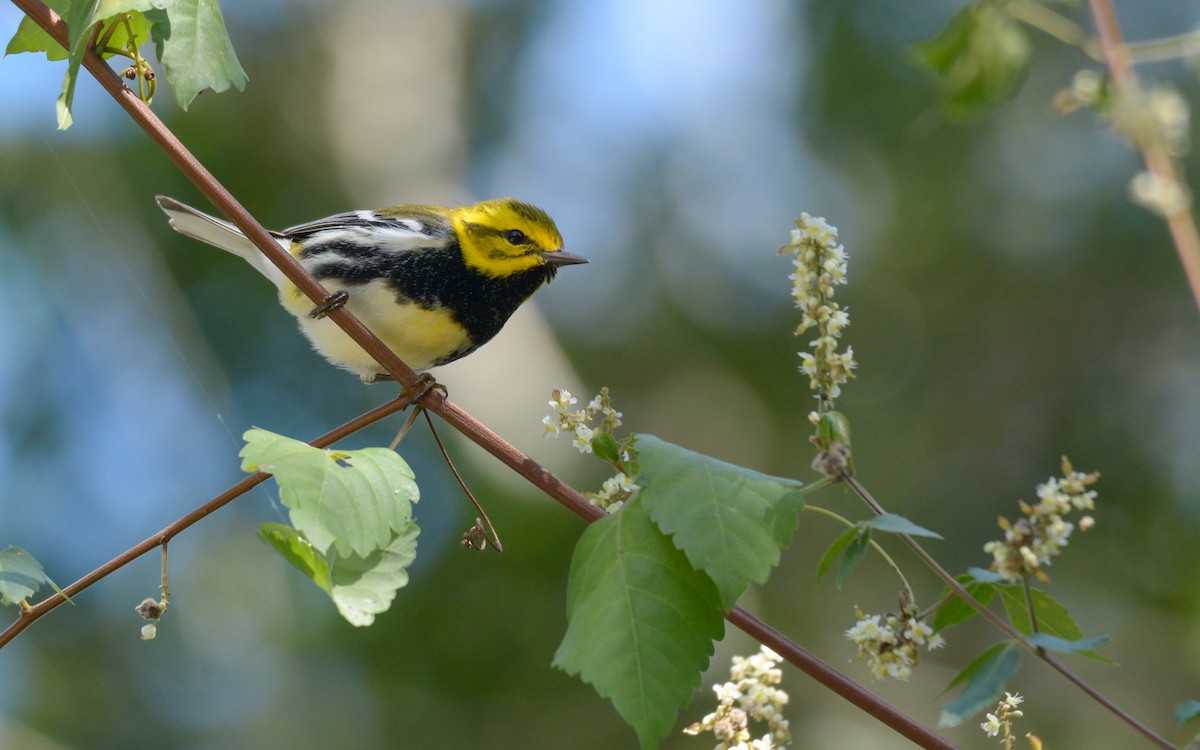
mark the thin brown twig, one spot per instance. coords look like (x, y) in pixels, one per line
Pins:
(433, 400)
(492, 536)
(1182, 224)
(1006, 627)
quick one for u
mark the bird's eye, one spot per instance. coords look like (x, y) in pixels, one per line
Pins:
(515, 237)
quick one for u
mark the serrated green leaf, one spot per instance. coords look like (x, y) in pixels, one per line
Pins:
(981, 58)
(194, 48)
(835, 550)
(20, 576)
(1054, 643)
(731, 522)
(365, 586)
(985, 678)
(361, 587)
(355, 501)
(642, 620)
(1187, 711)
(896, 524)
(854, 552)
(956, 611)
(1052, 617)
(298, 551)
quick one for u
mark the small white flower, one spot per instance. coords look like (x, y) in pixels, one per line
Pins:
(992, 726)
(149, 632)
(583, 438)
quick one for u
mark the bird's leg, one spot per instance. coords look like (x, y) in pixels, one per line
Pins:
(425, 383)
(331, 303)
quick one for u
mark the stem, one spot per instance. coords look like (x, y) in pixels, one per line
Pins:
(1008, 629)
(1033, 623)
(1182, 224)
(1053, 24)
(163, 587)
(1166, 48)
(874, 545)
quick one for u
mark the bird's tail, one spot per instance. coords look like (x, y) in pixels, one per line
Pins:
(220, 233)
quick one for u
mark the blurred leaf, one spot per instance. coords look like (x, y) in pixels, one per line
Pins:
(986, 576)
(835, 549)
(355, 501)
(981, 57)
(1054, 643)
(641, 620)
(194, 48)
(1186, 711)
(1052, 617)
(895, 524)
(20, 576)
(956, 611)
(730, 521)
(361, 587)
(854, 553)
(985, 678)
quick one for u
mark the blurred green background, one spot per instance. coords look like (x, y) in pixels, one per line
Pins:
(1008, 305)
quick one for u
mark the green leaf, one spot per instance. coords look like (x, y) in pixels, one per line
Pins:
(835, 550)
(32, 38)
(355, 501)
(981, 58)
(731, 522)
(895, 524)
(20, 576)
(957, 611)
(641, 620)
(1052, 617)
(985, 679)
(1054, 643)
(605, 446)
(361, 587)
(854, 552)
(194, 47)
(365, 586)
(298, 551)
(1186, 711)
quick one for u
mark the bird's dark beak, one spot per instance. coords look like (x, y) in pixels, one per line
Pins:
(558, 258)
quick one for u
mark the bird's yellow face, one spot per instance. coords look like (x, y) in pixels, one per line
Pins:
(504, 237)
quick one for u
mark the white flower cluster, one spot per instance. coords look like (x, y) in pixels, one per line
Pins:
(1034, 540)
(578, 423)
(820, 266)
(752, 693)
(614, 493)
(1001, 721)
(889, 642)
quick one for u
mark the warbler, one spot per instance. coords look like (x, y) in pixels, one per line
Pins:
(433, 283)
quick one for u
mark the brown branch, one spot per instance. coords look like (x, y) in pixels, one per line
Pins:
(1001, 624)
(433, 400)
(1182, 224)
